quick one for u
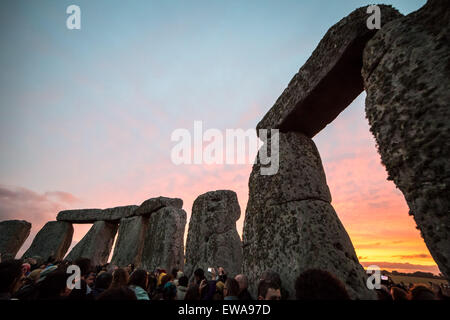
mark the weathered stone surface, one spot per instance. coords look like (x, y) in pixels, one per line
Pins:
(130, 241)
(93, 215)
(291, 234)
(80, 215)
(53, 240)
(96, 244)
(329, 81)
(406, 76)
(303, 177)
(13, 234)
(164, 241)
(212, 239)
(154, 204)
(117, 213)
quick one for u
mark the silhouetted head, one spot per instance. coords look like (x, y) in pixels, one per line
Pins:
(421, 292)
(169, 291)
(192, 293)
(231, 288)
(120, 278)
(103, 280)
(11, 276)
(118, 293)
(152, 282)
(384, 294)
(319, 285)
(166, 278)
(243, 281)
(130, 268)
(85, 266)
(174, 273)
(398, 294)
(199, 275)
(271, 276)
(54, 286)
(183, 281)
(139, 278)
(268, 290)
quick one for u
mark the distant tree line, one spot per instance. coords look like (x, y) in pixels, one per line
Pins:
(416, 274)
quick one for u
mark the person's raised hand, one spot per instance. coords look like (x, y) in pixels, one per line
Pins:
(203, 284)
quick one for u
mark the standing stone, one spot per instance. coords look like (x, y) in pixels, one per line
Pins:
(133, 231)
(130, 241)
(406, 76)
(53, 240)
(96, 244)
(13, 234)
(164, 241)
(213, 240)
(290, 225)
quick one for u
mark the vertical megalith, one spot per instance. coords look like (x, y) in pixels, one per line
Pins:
(53, 240)
(213, 240)
(130, 241)
(290, 225)
(96, 244)
(164, 240)
(406, 75)
(13, 234)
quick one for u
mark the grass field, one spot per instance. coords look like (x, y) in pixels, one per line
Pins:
(407, 280)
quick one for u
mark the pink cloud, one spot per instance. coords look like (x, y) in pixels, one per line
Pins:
(17, 203)
(373, 211)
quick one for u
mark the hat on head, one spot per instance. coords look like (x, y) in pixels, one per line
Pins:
(34, 275)
(44, 273)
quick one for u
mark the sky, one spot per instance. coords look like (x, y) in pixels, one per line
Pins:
(86, 115)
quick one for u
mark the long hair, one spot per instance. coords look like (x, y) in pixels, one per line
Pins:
(120, 278)
(139, 278)
(192, 293)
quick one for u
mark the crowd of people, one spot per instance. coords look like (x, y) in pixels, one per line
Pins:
(27, 280)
